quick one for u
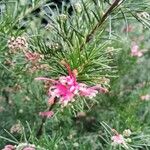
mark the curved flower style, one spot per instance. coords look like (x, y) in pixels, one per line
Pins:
(67, 87)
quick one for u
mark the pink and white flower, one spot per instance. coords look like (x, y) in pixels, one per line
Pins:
(135, 50)
(9, 147)
(118, 139)
(67, 87)
(32, 56)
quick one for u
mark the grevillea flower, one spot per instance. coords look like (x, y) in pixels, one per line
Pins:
(47, 114)
(32, 56)
(135, 51)
(17, 43)
(118, 139)
(9, 147)
(67, 87)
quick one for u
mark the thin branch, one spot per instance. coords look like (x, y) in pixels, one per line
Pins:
(89, 37)
(40, 130)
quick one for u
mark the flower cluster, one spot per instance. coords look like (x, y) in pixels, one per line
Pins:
(119, 139)
(17, 43)
(67, 87)
(143, 15)
(16, 128)
(33, 58)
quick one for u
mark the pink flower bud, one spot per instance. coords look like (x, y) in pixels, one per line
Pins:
(47, 114)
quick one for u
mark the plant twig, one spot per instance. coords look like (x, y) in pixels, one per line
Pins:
(40, 130)
(89, 37)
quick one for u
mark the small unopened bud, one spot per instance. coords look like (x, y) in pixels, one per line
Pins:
(76, 144)
(127, 132)
(2, 108)
(144, 15)
(55, 46)
(63, 17)
(20, 111)
(63, 62)
(78, 7)
(105, 80)
(128, 140)
(81, 114)
(75, 72)
(17, 43)
(114, 131)
(16, 128)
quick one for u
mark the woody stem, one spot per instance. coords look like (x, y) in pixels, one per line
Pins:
(89, 36)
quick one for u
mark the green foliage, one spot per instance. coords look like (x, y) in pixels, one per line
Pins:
(95, 41)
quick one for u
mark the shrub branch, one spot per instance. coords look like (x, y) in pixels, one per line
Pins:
(40, 130)
(89, 37)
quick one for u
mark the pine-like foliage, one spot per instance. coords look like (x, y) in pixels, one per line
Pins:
(103, 44)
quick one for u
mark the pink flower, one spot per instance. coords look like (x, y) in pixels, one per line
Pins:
(118, 139)
(9, 147)
(145, 97)
(87, 91)
(67, 87)
(135, 50)
(32, 56)
(64, 88)
(91, 91)
(47, 114)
